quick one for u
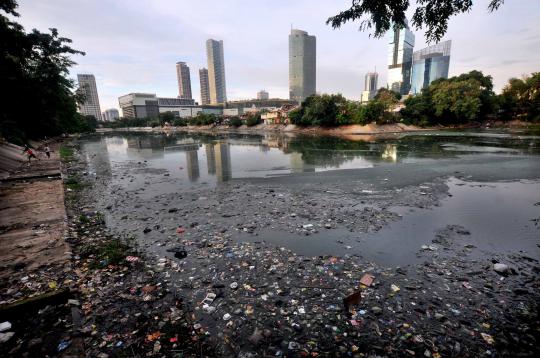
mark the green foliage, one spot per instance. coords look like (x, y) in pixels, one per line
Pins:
(235, 122)
(66, 153)
(179, 122)
(204, 119)
(73, 184)
(320, 110)
(295, 115)
(253, 119)
(333, 110)
(34, 67)
(461, 99)
(520, 98)
(457, 101)
(373, 111)
(387, 98)
(166, 117)
(381, 14)
(418, 110)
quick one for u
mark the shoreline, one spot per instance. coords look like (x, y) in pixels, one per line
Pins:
(340, 131)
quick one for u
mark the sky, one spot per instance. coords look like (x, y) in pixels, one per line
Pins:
(133, 46)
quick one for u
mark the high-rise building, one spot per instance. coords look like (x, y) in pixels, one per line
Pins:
(400, 51)
(370, 87)
(216, 71)
(430, 64)
(262, 94)
(302, 65)
(184, 80)
(110, 115)
(88, 88)
(205, 87)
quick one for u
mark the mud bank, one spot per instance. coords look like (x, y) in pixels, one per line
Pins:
(279, 128)
(214, 247)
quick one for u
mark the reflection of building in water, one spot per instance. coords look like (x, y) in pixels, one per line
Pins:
(99, 162)
(273, 141)
(298, 165)
(192, 163)
(210, 158)
(390, 152)
(147, 146)
(223, 161)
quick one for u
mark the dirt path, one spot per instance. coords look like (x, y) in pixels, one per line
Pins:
(32, 222)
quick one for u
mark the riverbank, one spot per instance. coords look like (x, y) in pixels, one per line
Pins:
(341, 131)
(230, 249)
(280, 128)
(61, 272)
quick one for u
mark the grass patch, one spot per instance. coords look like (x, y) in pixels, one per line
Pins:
(108, 252)
(66, 153)
(73, 184)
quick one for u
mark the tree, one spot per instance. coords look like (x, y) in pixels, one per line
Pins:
(235, 122)
(433, 14)
(34, 67)
(457, 100)
(387, 98)
(253, 119)
(418, 109)
(373, 111)
(321, 110)
(521, 98)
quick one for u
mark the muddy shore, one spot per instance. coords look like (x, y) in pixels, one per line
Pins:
(197, 272)
(348, 131)
(251, 298)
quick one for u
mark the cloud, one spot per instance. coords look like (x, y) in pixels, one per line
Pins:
(133, 45)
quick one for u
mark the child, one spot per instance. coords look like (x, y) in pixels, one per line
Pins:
(30, 154)
(47, 151)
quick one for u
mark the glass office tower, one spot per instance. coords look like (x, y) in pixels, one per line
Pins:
(400, 51)
(429, 64)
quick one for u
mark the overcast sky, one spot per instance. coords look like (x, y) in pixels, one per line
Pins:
(132, 46)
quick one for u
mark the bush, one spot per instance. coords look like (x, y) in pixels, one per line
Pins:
(253, 120)
(204, 119)
(179, 122)
(235, 122)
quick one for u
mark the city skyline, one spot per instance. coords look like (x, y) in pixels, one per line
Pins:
(256, 55)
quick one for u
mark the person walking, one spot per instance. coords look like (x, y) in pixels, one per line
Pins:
(47, 151)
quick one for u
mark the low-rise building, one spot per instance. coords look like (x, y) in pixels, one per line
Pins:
(277, 116)
(139, 105)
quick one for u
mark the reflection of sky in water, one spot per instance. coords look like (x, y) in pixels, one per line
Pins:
(193, 158)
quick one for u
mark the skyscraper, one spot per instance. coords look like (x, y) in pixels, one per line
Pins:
(184, 80)
(430, 64)
(216, 71)
(370, 87)
(88, 88)
(110, 115)
(302, 65)
(400, 50)
(262, 94)
(205, 90)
